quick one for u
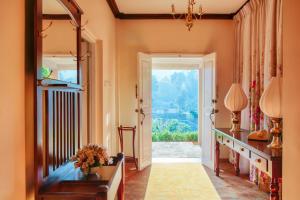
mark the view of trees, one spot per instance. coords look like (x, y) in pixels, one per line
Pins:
(175, 105)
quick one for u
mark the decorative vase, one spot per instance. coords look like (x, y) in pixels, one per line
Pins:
(94, 170)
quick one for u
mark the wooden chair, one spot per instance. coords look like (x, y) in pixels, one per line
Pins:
(122, 130)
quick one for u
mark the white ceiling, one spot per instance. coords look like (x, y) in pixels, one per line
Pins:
(53, 7)
(60, 60)
(164, 6)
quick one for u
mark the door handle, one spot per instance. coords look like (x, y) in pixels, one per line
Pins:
(213, 112)
(141, 111)
(210, 117)
(143, 115)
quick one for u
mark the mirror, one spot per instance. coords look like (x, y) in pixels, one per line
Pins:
(59, 53)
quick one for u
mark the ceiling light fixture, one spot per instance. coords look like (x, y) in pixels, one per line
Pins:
(190, 15)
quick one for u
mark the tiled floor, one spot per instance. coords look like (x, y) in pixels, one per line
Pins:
(228, 186)
(175, 150)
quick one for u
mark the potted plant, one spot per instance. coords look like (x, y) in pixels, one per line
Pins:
(46, 72)
(90, 158)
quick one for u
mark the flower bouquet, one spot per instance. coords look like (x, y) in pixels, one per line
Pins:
(91, 157)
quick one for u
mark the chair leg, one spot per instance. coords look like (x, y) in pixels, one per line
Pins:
(133, 129)
(133, 149)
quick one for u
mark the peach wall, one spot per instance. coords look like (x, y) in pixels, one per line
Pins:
(102, 24)
(291, 99)
(12, 100)
(169, 36)
(61, 37)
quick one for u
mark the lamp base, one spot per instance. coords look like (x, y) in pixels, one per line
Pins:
(276, 132)
(236, 126)
(276, 143)
(235, 129)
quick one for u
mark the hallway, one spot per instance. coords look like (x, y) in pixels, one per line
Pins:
(228, 187)
(176, 150)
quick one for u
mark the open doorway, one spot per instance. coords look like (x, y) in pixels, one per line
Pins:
(175, 107)
(182, 113)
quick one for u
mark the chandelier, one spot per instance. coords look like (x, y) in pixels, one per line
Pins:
(190, 15)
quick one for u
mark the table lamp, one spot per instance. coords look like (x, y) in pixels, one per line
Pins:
(235, 101)
(270, 105)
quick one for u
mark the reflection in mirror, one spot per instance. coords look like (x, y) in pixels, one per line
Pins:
(59, 44)
(60, 67)
(53, 7)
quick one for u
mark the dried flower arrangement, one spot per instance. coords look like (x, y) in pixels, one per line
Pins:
(91, 156)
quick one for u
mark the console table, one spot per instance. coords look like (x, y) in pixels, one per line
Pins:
(70, 184)
(266, 159)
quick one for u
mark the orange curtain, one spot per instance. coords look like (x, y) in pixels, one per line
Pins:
(258, 56)
(258, 53)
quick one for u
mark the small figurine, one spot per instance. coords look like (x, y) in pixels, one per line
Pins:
(261, 135)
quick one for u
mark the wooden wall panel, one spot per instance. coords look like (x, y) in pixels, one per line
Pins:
(46, 133)
(51, 152)
(61, 135)
(76, 122)
(78, 119)
(50, 103)
(54, 129)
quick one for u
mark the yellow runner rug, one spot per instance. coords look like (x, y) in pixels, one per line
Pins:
(178, 181)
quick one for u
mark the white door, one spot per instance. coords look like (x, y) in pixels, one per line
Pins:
(209, 109)
(144, 110)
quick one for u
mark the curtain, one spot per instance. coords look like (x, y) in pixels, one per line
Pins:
(258, 56)
(258, 53)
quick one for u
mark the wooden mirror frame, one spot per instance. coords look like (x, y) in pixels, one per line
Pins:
(36, 98)
(74, 14)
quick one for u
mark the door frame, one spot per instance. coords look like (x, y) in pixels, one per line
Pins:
(200, 95)
(199, 68)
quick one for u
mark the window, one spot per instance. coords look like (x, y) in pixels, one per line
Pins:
(68, 75)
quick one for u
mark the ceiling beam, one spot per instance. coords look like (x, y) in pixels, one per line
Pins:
(170, 16)
(241, 7)
(114, 7)
(115, 10)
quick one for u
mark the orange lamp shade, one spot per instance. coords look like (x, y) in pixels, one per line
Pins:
(236, 99)
(271, 99)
